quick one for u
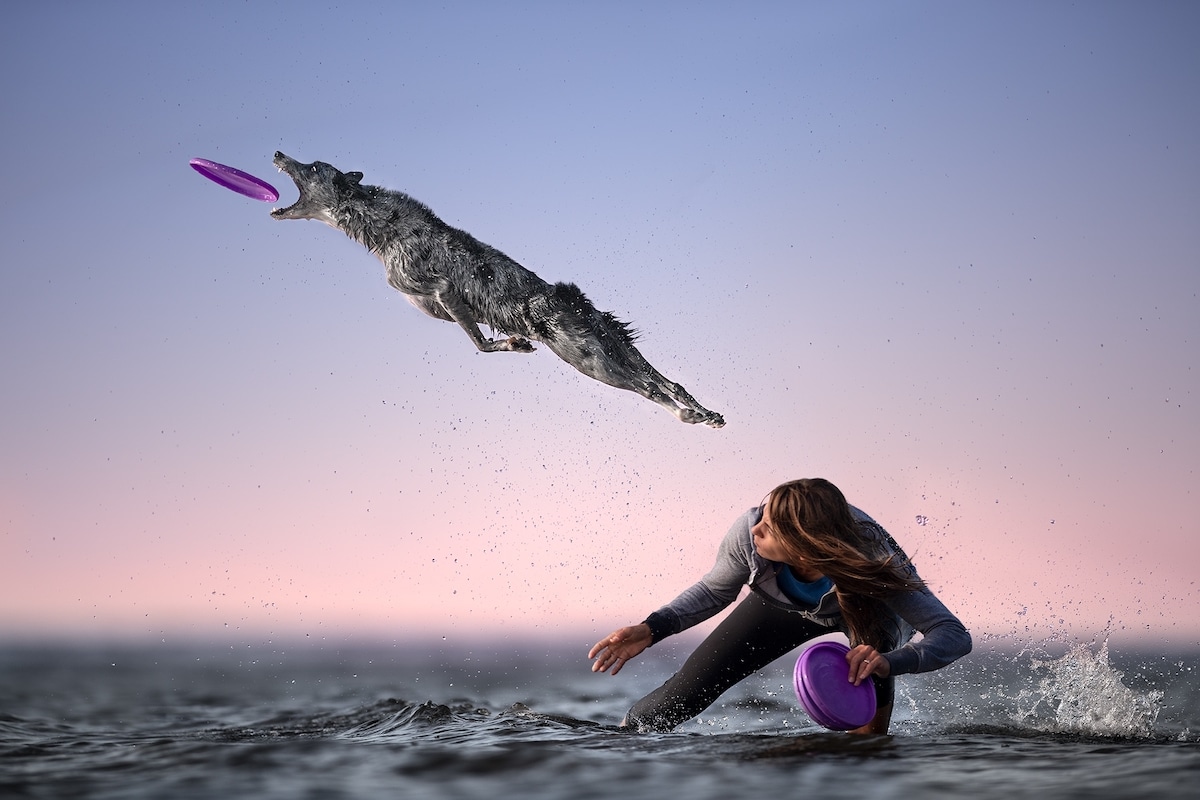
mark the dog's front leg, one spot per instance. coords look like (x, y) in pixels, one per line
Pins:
(514, 344)
(461, 313)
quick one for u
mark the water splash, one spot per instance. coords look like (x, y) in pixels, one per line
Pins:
(1081, 692)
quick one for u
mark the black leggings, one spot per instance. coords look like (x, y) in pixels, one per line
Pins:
(753, 635)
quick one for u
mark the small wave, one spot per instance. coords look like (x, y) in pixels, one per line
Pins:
(392, 716)
(403, 721)
(377, 719)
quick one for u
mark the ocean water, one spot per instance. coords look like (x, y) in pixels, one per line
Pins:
(503, 719)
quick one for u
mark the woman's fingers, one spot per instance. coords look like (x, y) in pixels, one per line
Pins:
(608, 659)
(607, 643)
(864, 662)
(615, 650)
(604, 653)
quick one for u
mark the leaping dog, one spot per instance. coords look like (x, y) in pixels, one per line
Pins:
(451, 275)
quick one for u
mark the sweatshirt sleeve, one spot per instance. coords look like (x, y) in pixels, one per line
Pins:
(943, 637)
(716, 590)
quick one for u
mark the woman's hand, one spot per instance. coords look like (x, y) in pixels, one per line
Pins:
(618, 647)
(866, 661)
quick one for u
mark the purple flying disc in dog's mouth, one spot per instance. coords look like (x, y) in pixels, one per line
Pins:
(822, 680)
(235, 179)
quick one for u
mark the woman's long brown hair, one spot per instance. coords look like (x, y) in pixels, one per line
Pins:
(815, 527)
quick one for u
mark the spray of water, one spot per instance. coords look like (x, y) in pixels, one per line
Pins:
(1081, 692)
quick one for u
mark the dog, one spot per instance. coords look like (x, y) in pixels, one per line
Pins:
(451, 275)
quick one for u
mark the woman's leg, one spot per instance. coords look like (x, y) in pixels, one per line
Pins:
(879, 724)
(753, 635)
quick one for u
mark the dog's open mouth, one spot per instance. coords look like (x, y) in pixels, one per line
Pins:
(286, 166)
(285, 212)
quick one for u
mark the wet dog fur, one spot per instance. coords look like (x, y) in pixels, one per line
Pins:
(451, 275)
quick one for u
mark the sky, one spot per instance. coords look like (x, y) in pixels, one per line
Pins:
(943, 254)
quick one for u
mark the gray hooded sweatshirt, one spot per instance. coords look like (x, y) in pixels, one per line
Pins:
(944, 639)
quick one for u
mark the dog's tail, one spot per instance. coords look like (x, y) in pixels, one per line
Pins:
(570, 315)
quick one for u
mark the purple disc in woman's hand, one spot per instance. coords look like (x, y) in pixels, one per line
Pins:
(822, 680)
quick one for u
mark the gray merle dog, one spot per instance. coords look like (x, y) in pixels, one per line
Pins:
(451, 275)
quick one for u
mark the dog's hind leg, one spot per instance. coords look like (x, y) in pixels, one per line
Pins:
(630, 371)
(687, 408)
(676, 393)
(689, 414)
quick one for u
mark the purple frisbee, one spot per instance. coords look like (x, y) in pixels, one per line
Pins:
(235, 179)
(823, 686)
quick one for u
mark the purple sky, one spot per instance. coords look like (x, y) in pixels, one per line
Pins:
(943, 254)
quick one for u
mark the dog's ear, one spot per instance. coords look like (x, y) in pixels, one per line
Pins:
(354, 177)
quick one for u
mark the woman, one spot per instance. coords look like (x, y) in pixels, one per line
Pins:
(815, 565)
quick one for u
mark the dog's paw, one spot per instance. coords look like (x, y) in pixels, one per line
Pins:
(519, 344)
(692, 417)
